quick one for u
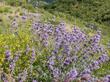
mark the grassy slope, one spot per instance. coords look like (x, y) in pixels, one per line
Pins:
(46, 16)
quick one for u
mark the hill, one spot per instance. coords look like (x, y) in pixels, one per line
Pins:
(18, 26)
(89, 10)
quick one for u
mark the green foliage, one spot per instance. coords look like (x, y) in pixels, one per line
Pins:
(22, 3)
(29, 7)
(16, 2)
(88, 10)
(105, 69)
(62, 11)
(13, 2)
(4, 9)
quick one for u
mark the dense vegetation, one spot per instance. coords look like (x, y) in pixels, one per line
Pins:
(57, 41)
(89, 10)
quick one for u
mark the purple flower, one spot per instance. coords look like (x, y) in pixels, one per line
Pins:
(103, 58)
(20, 80)
(96, 38)
(3, 77)
(86, 77)
(33, 56)
(5, 80)
(34, 81)
(51, 62)
(27, 49)
(67, 61)
(7, 55)
(22, 76)
(54, 51)
(44, 36)
(108, 76)
(45, 43)
(12, 66)
(106, 79)
(75, 58)
(94, 65)
(86, 71)
(14, 24)
(72, 74)
(24, 17)
(15, 59)
(56, 73)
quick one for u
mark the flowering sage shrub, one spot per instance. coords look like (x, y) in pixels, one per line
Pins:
(55, 55)
(71, 54)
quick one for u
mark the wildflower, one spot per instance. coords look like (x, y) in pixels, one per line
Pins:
(51, 62)
(22, 76)
(67, 61)
(94, 65)
(24, 18)
(7, 55)
(107, 78)
(14, 24)
(34, 80)
(33, 56)
(72, 74)
(86, 77)
(27, 49)
(56, 73)
(12, 66)
(103, 58)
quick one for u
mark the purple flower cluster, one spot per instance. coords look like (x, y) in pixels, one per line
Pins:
(23, 76)
(72, 74)
(43, 31)
(96, 64)
(13, 61)
(7, 55)
(33, 56)
(68, 55)
(74, 49)
(107, 78)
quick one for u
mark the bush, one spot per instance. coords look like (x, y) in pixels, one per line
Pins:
(29, 7)
(46, 53)
(5, 9)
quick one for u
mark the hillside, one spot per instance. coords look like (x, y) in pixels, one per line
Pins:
(89, 10)
(55, 41)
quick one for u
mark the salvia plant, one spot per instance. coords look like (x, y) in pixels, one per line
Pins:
(55, 55)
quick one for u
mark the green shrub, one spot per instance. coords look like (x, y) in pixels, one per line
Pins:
(5, 9)
(16, 2)
(29, 7)
(13, 2)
